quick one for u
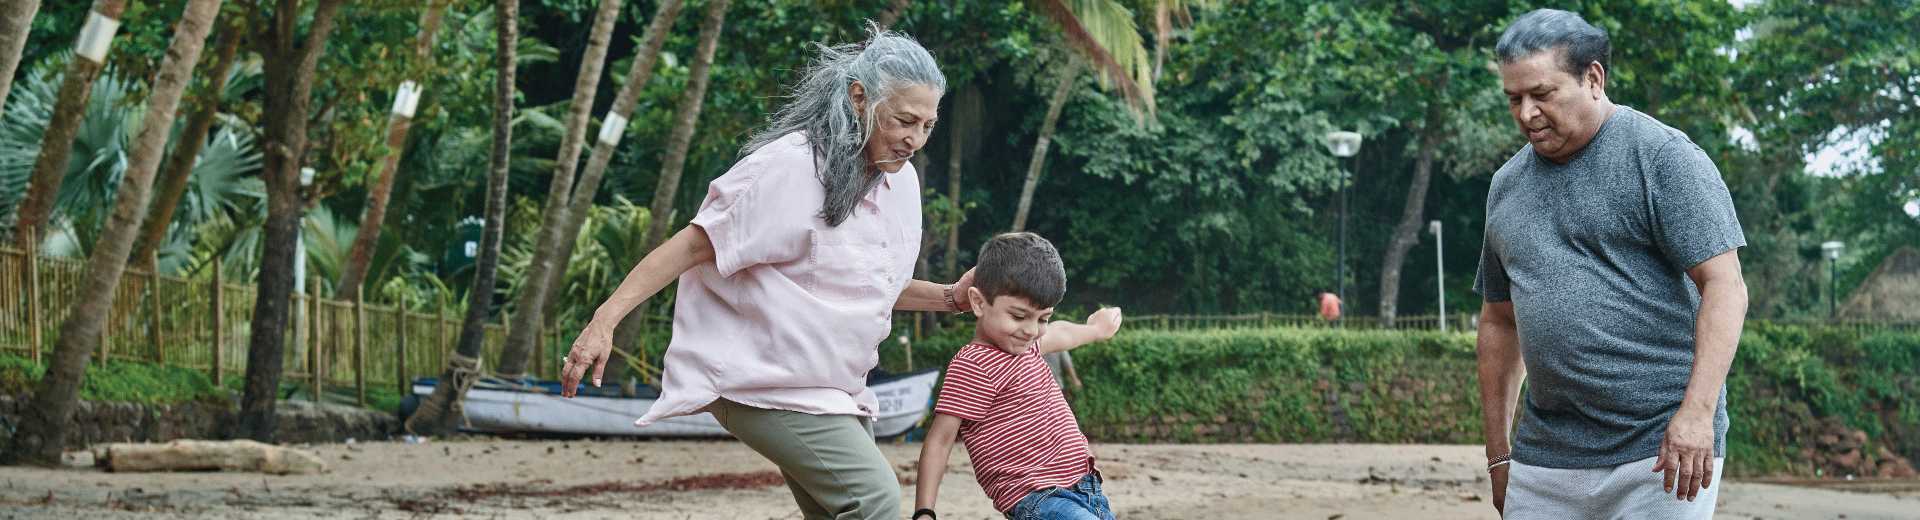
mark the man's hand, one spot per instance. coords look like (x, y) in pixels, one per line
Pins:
(1499, 477)
(1687, 454)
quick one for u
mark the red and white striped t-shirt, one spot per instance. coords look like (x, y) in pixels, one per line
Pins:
(1017, 427)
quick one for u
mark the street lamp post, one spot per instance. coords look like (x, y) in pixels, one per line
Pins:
(1345, 145)
(1439, 270)
(1831, 249)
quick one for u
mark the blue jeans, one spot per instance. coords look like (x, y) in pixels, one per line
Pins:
(1083, 501)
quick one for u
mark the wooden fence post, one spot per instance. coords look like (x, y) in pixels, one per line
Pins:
(400, 348)
(313, 340)
(219, 327)
(359, 350)
(440, 330)
(158, 338)
(31, 252)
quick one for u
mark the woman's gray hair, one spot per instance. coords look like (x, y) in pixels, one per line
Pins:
(821, 107)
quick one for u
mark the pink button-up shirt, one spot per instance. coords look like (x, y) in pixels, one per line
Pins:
(790, 314)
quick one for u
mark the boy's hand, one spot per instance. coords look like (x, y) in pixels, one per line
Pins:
(1107, 321)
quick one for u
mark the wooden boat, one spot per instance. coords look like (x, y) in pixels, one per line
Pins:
(495, 406)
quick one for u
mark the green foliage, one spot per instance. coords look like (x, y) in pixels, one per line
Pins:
(1327, 385)
(120, 381)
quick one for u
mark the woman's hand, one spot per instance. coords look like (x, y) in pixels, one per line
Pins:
(590, 350)
(960, 301)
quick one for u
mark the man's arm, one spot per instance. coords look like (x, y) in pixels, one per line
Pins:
(1498, 352)
(934, 453)
(922, 295)
(1687, 455)
(1066, 335)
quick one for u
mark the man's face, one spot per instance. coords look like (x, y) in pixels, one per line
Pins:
(1557, 112)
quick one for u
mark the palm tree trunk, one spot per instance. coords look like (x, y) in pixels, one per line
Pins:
(290, 69)
(436, 414)
(1061, 92)
(966, 122)
(530, 305)
(638, 74)
(367, 237)
(1407, 232)
(16, 22)
(50, 167)
(1162, 34)
(42, 434)
(179, 166)
(661, 211)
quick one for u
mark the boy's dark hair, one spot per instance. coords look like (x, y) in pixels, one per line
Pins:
(1023, 265)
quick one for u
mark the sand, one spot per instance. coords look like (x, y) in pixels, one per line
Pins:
(492, 478)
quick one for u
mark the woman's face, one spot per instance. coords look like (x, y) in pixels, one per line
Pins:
(900, 126)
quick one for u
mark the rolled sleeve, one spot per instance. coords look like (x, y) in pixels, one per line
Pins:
(758, 213)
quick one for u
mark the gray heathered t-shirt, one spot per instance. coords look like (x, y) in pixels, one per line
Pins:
(1593, 254)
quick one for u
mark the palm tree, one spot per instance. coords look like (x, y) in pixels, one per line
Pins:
(49, 167)
(437, 412)
(542, 277)
(354, 272)
(290, 67)
(41, 436)
(628, 331)
(1103, 33)
(99, 148)
(179, 166)
(16, 22)
(532, 298)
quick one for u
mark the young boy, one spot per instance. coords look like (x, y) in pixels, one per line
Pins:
(999, 398)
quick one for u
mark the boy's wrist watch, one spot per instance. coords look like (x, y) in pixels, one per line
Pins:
(928, 512)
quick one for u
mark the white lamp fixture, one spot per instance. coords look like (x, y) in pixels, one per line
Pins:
(612, 129)
(95, 37)
(406, 99)
(1343, 143)
(1832, 249)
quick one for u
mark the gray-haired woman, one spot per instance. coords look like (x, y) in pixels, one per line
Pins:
(790, 273)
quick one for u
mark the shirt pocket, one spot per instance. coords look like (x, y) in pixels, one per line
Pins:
(846, 268)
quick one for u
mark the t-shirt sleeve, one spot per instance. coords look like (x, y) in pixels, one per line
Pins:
(756, 214)
(967, 392)
(1692, 213)
(1492, 282)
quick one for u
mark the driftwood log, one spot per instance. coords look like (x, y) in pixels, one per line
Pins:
(191, 455)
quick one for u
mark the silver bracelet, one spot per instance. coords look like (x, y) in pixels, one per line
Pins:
(951, 304)
(1499, 461)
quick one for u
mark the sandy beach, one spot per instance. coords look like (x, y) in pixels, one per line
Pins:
(491, 478)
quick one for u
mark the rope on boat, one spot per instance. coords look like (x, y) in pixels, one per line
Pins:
(463, 371)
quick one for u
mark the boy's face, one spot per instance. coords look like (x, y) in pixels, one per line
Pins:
(1010, 323)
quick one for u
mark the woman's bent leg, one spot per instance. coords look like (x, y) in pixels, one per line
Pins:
(831, 462)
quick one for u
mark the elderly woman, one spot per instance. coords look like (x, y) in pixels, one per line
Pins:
(790, 273)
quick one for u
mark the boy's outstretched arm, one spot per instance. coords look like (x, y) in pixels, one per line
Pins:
(933, 459)
(1067, 335)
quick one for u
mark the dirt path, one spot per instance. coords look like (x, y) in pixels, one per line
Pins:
(725, 480)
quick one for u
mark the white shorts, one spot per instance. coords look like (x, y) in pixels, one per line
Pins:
(1627, 491)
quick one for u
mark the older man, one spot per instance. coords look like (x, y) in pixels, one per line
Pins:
(1610, 270)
